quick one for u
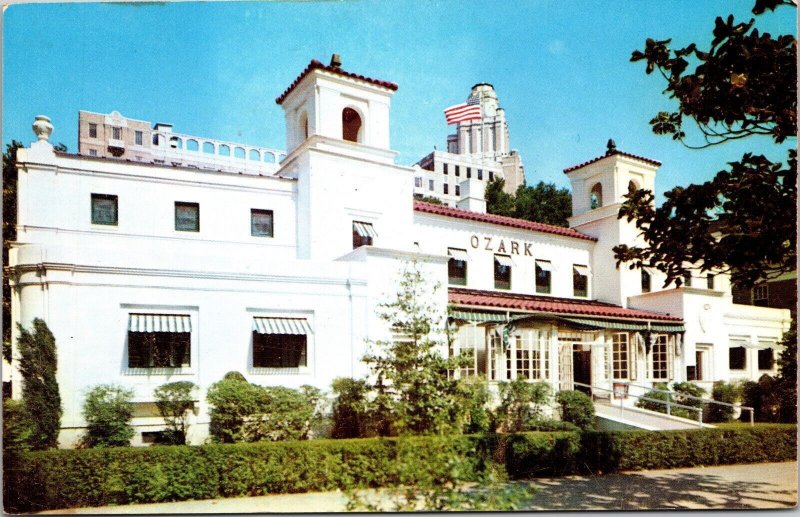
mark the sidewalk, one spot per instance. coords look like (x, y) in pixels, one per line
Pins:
(764, 485)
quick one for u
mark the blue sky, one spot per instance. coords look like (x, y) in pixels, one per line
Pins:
(561, 70)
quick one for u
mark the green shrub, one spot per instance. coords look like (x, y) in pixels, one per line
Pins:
(174, 401)
(675, 396)
(234, 376)
(520, 403)
(576, 408)
(472, 414)
(723, 392)
(17, 426)
(550, 425)
(349, 408)
(764, 397)
(108, 410)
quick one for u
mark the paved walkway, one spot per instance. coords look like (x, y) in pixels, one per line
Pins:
(765, 485)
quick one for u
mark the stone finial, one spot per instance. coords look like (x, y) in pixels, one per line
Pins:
(42, 127)
(611, 146)
(336, 61)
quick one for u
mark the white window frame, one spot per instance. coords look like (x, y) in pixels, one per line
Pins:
(667, 341)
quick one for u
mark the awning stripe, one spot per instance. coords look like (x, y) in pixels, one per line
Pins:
(581, 270)
(159, 323)
(364, 229)
(625, 325)
(546, 265)
(296, 326)
(504, 260)
(458, 254)
(478, 317)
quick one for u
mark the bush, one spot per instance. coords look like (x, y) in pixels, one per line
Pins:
(349, 408)
(473, 416)
(723, 392)
(763, 396)
(244, 412)
(675, 396)
(174, 401)
(520, 403)
(108, 410)
(17, 427)
(576, 408)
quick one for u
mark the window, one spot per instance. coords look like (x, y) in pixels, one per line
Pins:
(444, 169)
(116, 133)
(766, 359)
(351, 125)
(469, 172)
(159, 341)
(260, 223)
(457, 266)
(645, 281)
(620, 359)
(502, 272)
(92, 130)
(580, 281)
(363, 233)
(737, 358)
(700, 371)
(418, 182)
(761, 295)
(458, 171)
(491, 176)
(445, 188)
(92, 152)
(458, 190)
(660, 358)
(710, 281)
(187, 217)
(138, 137)
(687, 280)
(104, 209)
(431, 185)
(279, 350)
(480, 174)
(596, 196)
(543, 276)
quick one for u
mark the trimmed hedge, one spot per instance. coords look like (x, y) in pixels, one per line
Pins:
(58, 479)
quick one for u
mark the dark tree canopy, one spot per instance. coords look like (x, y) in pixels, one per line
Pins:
(37, 364)
(9, 233)
(743, 220)
(544, 203)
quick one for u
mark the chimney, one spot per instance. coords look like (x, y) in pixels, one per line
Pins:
(473, 196)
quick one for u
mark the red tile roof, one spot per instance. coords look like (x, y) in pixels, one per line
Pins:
(523, 224)
(317, 65)
(524, 302)
(612, 153)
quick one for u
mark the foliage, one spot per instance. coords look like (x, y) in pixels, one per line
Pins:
(543, 203)
(661, 392)
(411, 383)
(722, 391)
(17, 426)
(472, 401)
(244, 412)
(234, 375)
(350, 408)
(174, 401)
(108, 410)
(38, 364)
(520, 404)
(764, 398)
(744, 220)
(9, 233)
(693, 390)
(787, 376)
(428, 199)
(576, 408)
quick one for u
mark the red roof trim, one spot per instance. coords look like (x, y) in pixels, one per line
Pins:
(460, 296)
(612, 153)
(501, 220)
(317, 65)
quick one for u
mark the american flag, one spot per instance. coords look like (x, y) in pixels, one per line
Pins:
(470, 110)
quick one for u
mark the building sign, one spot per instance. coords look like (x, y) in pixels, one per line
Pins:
(510, 247)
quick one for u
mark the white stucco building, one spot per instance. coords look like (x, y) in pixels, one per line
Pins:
(148, 273)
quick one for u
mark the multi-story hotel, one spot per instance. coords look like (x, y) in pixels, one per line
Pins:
(192, 262)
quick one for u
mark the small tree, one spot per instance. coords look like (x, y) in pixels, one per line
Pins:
(38, 365)
(722, 391)
(521, 404)
(108, 410)
(473, 399)
(174, 401)
(349, 408)
(232, 401)
(412, 381)
(576, 408)
(787, 376)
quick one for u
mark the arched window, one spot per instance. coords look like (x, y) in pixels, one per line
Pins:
(191, 145)
(302, 125)
(596, 196)
(208, 148)
(269, 157)
(176, 143)
(351, 125)
(632, 187)
(238, 152)
(255, 155)
(224, 150)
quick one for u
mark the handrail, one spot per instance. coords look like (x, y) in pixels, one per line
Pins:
(702, 399)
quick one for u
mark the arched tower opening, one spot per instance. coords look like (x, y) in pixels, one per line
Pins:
(351, 125)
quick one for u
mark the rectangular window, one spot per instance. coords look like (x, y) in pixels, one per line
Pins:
(766, 359)
(660, 358)
(92, 130)
(480, 174)
(645, 281)
(279, 350)
(187, 217)
(159, 349)
(430, 185)
(580, 281)
(445, 188)
(444, 168)
(92, 152)
(458, 170)
(523, 362)
(260, 223)
(138, 137)
(737, 358)
(104, 209)
(710, 281)
(502, 272)
(418, 182)
(116, 133)
(543, 276)
(458, 190)
(687, 280)
(761, 295)
(469, 172)
(491, 176)
(457, 266)
(363, 234)
(620, 358)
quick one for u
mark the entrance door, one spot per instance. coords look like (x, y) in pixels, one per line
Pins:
(582, 367)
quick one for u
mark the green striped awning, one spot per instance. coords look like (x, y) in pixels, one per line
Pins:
(625, 325)
(159, 323)
(666, 327)
(478, 317)
(296, 326)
